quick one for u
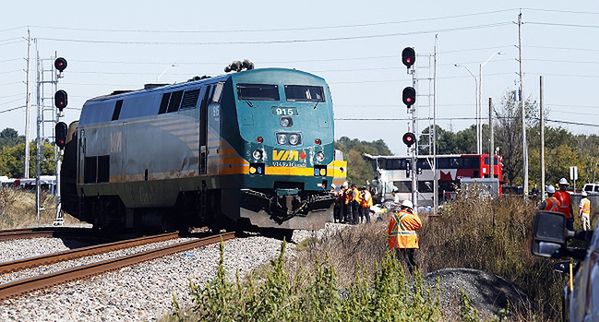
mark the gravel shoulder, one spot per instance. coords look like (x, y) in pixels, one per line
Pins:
(142, 292)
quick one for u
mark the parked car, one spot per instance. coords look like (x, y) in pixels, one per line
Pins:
(581, 293)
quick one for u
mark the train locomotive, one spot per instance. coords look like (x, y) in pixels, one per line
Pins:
(253, 149)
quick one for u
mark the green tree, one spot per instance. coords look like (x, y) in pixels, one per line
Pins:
(9, 137)
(360, 170)
(12, 160)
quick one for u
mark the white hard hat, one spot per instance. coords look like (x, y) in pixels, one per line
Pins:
(407, 203)
(345, 184)
(563, 181)
(550, 189)
(584, 193)
(333, 186)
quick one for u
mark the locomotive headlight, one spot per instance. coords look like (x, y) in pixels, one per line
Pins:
(257, 154)
(319, 156)
(294, 139)
(286, 122)
(281, 138)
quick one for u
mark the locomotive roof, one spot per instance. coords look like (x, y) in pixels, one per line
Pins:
(124, 94)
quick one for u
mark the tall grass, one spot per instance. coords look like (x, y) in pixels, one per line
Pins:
(284, 294)
(493, 236)
(348, 275)
(17, 209)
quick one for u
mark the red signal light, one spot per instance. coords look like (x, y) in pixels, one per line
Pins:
(408, 56)
(259, 139)
(61, 99)
(60, 133)
(409, 139)
(409, 96)
(60, 64)
(317, 142)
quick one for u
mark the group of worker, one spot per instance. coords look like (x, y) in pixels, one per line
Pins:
(561, 202)
(352, 204)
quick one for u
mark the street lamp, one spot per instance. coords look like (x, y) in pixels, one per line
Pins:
(476, 100)
(479, 128)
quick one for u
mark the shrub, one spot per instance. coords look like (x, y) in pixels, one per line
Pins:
(313, 295)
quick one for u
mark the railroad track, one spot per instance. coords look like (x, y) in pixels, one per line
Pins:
(48, 280)
(48, 259)
(47, 232)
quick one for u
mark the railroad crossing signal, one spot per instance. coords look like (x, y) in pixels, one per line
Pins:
(409, 139)
(409, 96)
(61, 99)
(60, 132)
(408, 57)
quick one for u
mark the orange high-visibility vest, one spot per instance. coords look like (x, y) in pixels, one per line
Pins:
(402, 230)
(585, 206)
(565, 206)
(366, 199)
(552, 204)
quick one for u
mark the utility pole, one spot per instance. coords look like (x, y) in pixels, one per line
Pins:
(542, 137)
(27, 108)
(434, 165)
(524, 143)
(491, 141)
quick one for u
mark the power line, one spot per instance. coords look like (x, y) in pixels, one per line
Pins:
(11, 71)
(11, 43)
(11, 101)
(12, 28)
(561, 24)
(461, 118)
(562, 48)
(11, 109)
(9, 60)
(10, 39)
(562, 11)
(162, 63)
(280, 41)
(182, 31)
(561, 61)
(9, 96)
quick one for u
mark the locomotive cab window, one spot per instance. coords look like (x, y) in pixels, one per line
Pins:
(258, 92)
(299, 93)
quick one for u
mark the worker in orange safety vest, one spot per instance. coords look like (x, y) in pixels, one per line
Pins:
(565, 201)
(403, 239)
(585, 211)
(365, 204)
(352, 201)
(550, 203)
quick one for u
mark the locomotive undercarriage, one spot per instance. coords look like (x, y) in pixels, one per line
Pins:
(286, 208)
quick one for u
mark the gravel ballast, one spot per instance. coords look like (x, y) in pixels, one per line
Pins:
(142, 292)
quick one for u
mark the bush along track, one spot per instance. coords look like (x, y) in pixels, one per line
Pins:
(276, 294)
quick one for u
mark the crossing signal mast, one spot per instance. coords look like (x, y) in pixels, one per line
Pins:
(415, 142)
(49, 71)
(408, 58)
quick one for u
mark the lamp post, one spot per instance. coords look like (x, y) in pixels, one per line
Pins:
(479, 128)
(476, 100)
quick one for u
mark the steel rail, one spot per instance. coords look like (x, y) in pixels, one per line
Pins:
(26, 233)
(81, 252)
(48, 280)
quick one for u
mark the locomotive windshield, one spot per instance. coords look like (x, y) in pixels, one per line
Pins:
(258, 92)
(304, 93)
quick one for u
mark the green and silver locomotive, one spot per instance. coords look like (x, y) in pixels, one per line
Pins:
(252, 148)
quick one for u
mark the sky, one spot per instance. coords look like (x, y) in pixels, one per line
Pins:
(355, 46)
